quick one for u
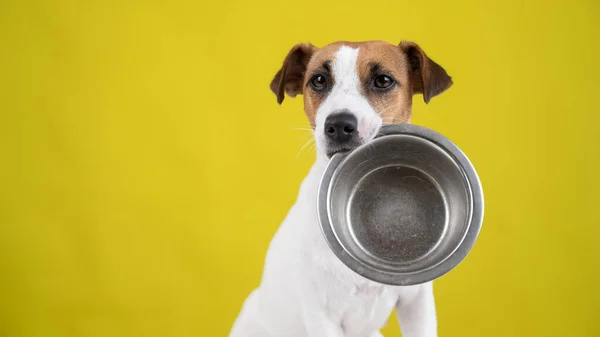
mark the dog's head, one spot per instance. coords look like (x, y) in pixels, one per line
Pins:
(351, 89)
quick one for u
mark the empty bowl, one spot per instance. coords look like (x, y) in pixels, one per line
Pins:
(403, 209)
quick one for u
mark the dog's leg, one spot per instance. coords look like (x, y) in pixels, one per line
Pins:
(317, 320)
(416, 314)
(376, 334)
(319, 325)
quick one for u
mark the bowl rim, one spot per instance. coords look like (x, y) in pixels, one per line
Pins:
(452, 260)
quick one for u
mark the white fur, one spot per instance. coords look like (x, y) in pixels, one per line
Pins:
(306, 291)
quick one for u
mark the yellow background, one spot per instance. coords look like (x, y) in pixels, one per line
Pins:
(145, 164)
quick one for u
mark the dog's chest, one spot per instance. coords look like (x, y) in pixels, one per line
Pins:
(358, 304)
(363, 306)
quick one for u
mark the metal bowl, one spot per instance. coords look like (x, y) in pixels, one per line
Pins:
(404, 209)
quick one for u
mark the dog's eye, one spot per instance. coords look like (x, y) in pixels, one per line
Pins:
(318, 82)
(383, 82)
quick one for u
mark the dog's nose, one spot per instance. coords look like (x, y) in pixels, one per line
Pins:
(340, 127)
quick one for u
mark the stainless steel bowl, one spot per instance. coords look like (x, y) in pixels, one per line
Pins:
(403, 209)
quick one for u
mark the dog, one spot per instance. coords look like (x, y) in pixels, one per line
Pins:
(350, 90)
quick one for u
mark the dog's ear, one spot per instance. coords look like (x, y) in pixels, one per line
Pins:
(427, 77)
(290, 78)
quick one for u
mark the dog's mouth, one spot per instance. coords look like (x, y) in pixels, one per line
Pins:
(332, 149)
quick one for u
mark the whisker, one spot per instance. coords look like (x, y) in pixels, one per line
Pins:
(309, 142)
(301, 128)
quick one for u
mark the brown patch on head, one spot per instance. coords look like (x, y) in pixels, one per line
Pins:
(382, 62)
(321, 63)
(411, 70)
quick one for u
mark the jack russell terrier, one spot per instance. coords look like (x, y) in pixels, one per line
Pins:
(350, 90)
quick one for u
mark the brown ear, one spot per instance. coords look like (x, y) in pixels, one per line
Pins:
(290, 78)
(427, 77)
